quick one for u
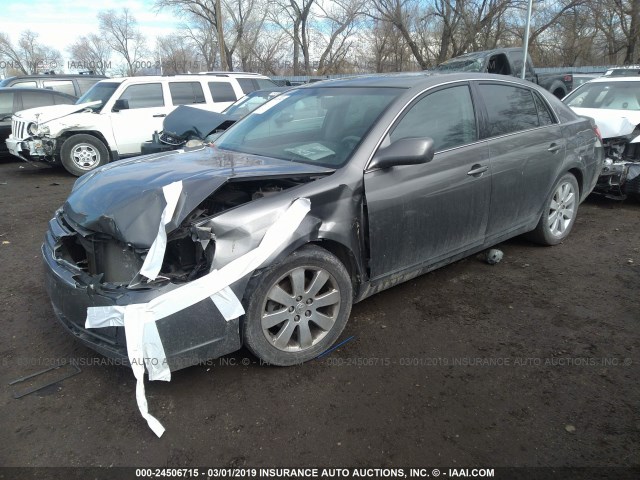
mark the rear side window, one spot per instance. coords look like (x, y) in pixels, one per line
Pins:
(222, 92)
(510, 109)
(144, 96)
(544, 115)
(6, 103)
(186, 93)
(64, 86)
(447, 116)
(36, 99)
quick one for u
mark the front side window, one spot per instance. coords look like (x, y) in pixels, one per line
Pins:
(321, 126)
(186, 93)
(64, 86)
(25, 84)
(510, 108)
(446, 116)
(6, 103)
(144, 96)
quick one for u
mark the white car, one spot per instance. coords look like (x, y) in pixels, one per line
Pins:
(115, 116)
(614, 104)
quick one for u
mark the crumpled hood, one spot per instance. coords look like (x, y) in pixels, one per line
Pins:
(612, 123)
(185, 122)
(125, 199)
(51, 112)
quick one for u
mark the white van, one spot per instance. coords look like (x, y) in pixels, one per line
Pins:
(115, 116)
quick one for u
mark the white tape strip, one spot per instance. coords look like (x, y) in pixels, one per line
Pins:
(143, 340)
(153, 262)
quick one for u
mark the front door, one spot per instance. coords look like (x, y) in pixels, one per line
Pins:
(420, 214)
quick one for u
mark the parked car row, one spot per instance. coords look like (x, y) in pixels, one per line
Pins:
(113, 118)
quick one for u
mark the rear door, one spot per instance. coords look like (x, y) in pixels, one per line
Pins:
(526, 145)
(420, 214)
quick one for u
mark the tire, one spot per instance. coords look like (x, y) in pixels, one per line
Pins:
(559, 214)
(82, 153)
(283, 305)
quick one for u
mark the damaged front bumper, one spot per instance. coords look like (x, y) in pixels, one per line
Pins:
(620, 176)
(31, 149)
(189, 337)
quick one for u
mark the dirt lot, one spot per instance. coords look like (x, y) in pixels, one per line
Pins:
(531, 362)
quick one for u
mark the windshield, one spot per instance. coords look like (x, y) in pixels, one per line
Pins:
(606, 95)
(320, 126)
(250, 102)
(101, 92)
(461, 65)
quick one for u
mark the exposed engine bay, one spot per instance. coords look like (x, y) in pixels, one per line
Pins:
(620, 175)
(189, 251)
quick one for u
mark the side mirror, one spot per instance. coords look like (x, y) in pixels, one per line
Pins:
(405, 151)
(120, 104)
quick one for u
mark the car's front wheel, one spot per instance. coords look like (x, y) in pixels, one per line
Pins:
(297, 309)
(559, 214)
(82, 153)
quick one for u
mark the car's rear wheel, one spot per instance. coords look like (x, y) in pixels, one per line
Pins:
(559, 212)
(297, 309)
(82, 153)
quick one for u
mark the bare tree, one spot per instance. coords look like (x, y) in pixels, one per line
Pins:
(293, 17)
(29, 56)
(123, 36)
(91, 52)
(341, 17)
(209, 13)
(177, 54)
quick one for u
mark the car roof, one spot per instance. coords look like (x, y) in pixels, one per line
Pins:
(36, 90)
(58, 76)
(410, 80)
(615, 79)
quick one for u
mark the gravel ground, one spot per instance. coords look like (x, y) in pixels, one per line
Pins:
(534, 361)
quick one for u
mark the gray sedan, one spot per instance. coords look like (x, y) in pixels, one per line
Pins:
(320, 198)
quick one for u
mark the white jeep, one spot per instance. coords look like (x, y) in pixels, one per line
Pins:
(115, 116)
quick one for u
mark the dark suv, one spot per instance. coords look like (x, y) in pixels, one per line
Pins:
(13, 100)
(74, 85)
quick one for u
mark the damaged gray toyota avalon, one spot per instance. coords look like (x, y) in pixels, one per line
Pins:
(320, 198)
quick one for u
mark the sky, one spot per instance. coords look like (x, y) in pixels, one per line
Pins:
(60, 22)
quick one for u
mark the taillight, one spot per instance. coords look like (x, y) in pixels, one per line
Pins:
(568, 78)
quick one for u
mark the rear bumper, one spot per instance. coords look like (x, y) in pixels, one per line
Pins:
(188, 337)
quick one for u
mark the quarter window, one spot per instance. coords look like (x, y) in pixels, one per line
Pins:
(222, 92)
(510, 109)
(544, 115)
(447, 116)
(144, 96)
(186, 93)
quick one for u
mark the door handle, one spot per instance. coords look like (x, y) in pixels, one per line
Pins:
(554, 147)
(477, 170)
(160, 115)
